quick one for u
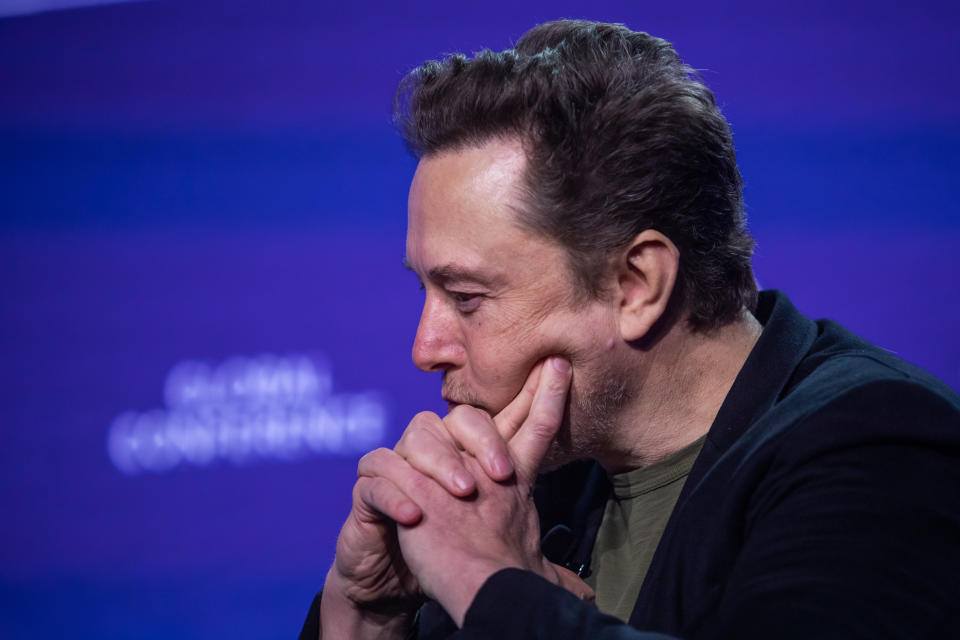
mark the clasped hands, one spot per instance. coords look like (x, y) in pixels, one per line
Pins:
(448, 507)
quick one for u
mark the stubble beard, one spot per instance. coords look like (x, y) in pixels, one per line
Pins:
(454, 392)
(591, 419)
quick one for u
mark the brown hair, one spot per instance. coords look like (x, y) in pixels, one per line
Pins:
(620, 137)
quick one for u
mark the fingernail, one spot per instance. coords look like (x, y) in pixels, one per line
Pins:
(462, 481)
(561, 364)
(501, 466)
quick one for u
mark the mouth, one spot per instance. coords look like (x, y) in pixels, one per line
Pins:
(451, 403)
(455, 393)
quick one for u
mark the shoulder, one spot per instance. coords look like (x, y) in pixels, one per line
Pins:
(849, 384)
(862, 428)
(852, 406)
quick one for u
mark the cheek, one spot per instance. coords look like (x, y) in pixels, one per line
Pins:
(500, 358)
(582, 338)
(499, 367)
(500, 374)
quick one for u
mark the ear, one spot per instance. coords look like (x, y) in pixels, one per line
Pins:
(646, 274)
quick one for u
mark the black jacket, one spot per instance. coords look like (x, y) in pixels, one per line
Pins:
(825, 504)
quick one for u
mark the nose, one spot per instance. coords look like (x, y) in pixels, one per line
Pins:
(437, 345)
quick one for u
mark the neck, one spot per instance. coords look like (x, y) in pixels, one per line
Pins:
(679, 388)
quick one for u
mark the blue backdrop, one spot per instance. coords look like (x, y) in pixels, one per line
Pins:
(203, 314)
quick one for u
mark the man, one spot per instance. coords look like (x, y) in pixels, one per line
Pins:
(713, 464)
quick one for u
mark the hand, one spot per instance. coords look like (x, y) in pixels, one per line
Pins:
(370, 592)
(434, 446)
(458, 543)
(370, 589)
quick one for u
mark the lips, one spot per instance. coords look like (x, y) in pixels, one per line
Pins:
(455, 403)
(452, 404)
(454, 393)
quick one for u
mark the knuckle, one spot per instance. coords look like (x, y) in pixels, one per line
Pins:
(379, 489)
(377, 455)
(374, 460)
(468, 412)
(424, 417)
(557, 384)
(422, 484)
(415, 442)
(449, 465)
(361, 490)
(464, 419)
(488, 441)
(423, 421)
(544, 419)
(367, 460)
(543, 424)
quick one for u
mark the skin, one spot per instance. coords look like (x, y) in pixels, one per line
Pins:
(372, 589)
(451, 504)
(499, 298)
(490, 286)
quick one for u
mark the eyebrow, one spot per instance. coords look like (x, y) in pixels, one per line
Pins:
(450, 273)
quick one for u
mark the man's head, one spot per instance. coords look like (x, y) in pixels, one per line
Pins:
(499, 298)
(619, 138)
(570, 193)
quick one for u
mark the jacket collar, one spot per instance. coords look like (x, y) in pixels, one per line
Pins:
(766, 376)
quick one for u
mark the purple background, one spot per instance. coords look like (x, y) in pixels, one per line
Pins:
(197, 180)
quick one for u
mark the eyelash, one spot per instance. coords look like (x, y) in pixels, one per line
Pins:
(462, 299)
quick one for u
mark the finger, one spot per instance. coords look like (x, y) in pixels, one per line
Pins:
(388, 464)
(477, 433)
(376, 498)
(429, 448)
(539, 429)
(510, 418)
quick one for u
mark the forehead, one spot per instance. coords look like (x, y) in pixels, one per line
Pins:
(468, 197)
(453, 187)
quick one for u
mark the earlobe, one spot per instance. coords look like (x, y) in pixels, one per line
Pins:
(647, 273)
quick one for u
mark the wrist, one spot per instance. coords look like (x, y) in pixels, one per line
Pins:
(457, 590)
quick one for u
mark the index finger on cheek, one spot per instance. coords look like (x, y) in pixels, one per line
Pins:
(511, 417)
(546, 414)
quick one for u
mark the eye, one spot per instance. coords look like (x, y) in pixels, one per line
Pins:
(466, 302)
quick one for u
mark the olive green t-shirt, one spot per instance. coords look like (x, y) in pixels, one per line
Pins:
(633, 522)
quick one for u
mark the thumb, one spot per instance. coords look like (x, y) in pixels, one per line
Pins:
(532, 440)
